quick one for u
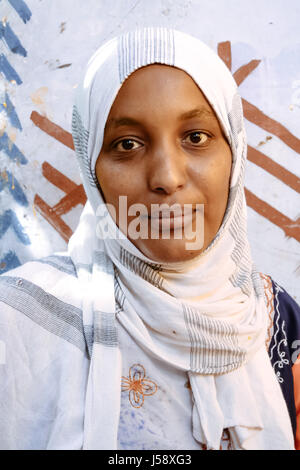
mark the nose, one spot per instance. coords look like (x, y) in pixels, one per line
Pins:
(167, 168)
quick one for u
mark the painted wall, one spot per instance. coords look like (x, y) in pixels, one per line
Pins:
(43, 47)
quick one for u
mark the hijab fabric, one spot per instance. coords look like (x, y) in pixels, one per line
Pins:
(214, 303)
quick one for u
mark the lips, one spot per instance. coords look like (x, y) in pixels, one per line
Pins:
(168, 213)
(164, 220)
(165, 214)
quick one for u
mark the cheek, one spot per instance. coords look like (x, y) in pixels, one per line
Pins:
(221, 174)
(107, 180)
(213, 177)
(115, 180)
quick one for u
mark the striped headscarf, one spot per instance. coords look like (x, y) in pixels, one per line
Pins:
(215, 301)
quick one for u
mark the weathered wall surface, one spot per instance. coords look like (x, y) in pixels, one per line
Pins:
(43, 47)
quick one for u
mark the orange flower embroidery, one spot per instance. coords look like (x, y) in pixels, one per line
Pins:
(138, 385)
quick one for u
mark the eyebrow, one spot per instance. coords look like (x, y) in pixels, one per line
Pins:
(123, 121)
(128, 121)
(197, 112)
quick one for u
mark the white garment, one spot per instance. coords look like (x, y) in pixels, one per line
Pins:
(44, 379)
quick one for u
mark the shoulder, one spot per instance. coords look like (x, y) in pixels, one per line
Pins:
(283, 310)
(43, 296)
(283, 344)
(41, 340)
(286, 316)
(52, 275)
(288, 308)
(60, 262)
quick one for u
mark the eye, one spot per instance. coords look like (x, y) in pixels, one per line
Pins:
(197, 138)
(126, 145)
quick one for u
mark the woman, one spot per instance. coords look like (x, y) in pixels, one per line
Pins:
(138, 341)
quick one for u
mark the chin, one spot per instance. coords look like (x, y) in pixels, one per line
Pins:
(168, 251)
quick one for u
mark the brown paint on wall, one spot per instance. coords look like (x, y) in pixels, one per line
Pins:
(75, 195)
(290, 227)
(52, 129)
(46, 211)
(224, 52)
(72, 199)
(251, 112)
(255, 115)
(57, 178)
(63, 66)
(244, 71)
(260, 159)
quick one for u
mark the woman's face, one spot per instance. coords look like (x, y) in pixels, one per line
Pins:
(164, 145)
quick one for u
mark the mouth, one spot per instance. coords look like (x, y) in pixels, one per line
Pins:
(170, 219)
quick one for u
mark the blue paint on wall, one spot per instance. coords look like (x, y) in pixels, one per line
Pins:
(8, 180)
(16, 190)
(9, 219)
(9, 261)
(22, 9)
(11, 150)
(12, 41)
(8, 71)
(10, 111)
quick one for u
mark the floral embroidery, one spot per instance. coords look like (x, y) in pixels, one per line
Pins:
(279, 344)
(138, 385)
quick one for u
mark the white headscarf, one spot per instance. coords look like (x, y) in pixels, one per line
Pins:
(214, 302)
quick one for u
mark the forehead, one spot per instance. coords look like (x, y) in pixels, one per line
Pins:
(160, 90)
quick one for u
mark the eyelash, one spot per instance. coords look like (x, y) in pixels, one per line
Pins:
(115, 146)
(200, 133)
